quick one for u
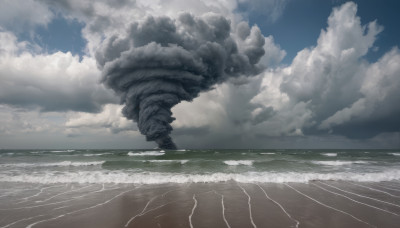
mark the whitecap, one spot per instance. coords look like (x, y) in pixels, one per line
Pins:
(92, 155)
(146, 153)
(61, 151)
(162, 177)
(338, 163)
(239, 162)
(330, 154)
(167, 161)
(58, 164)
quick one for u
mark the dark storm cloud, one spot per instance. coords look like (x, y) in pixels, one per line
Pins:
(162, 61)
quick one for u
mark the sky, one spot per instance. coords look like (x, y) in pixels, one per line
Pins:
(293, 73)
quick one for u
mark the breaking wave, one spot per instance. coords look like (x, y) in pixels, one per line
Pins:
(146, 153)
(167, 161)
(330, 154)
(59, 164)
(339, 163)
(160, 178)
(239, 162)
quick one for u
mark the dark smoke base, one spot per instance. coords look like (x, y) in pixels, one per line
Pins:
(166, 143)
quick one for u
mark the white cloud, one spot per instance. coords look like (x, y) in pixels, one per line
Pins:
(109, 119)
(327, 86)
(330, 87)
(23, 15)
(379, 90)
(50, 82)
(334, 81)
(14, 121)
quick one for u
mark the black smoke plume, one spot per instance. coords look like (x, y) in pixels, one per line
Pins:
(161, 61)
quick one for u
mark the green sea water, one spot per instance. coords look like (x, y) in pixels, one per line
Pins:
(180, 166)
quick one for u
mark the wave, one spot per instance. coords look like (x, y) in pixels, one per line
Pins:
(60, 151)
(339, 163)
(92, 155)
(268, 153)
(59, 164)
(146, 153)
(239, 162)
(161, 178)
(167, 161)
(395, 154)
(330, 154)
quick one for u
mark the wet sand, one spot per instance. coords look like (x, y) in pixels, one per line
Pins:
(227, 204)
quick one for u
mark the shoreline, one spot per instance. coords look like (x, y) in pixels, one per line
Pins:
(222, 204)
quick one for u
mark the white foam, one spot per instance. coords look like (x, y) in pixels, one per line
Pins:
(338, 163)
(330, 154)
(157, 178)
(60, 164)
(146, 153)
(61, 151)
(91, 155)
(395, 154)
(104, 176)
(167, 161)
(239, 162)
(268, 153)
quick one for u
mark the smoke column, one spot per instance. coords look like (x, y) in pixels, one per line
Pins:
(161, 61)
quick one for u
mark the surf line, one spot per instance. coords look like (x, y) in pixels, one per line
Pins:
(89, 193)
(355, 200)
(249, 203)
(283, 209)
(374, 189)
(58, 202)
(223, 208)
(83, 209)
(69, 191)
(160, 206)
(194, 208)
(359, 195)
(141, 213)
(335, 209)
(393, 189)
(21, 220)
(37, 194)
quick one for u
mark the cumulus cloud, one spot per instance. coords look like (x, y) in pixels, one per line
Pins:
(342, 91)
(23, 15)
(110, 119)
(14, 121)
(49, 82)
(330, 89)
(106, 18)
(327, 89)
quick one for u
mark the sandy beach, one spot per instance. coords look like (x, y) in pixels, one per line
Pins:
(225, 204)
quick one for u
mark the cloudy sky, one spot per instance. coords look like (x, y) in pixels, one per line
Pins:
(329, 75)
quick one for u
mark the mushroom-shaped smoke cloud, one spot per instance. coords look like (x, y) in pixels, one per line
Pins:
(162, 61)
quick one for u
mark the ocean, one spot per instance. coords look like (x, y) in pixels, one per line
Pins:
(199, 188)
(197, 166)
